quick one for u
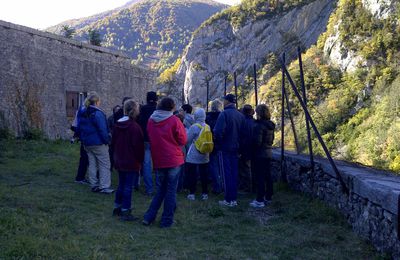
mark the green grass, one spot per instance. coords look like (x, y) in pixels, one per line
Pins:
(44, 214)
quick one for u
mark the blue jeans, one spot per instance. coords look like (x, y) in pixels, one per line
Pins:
(230, 174)
(123, 196)
(166, 182)
(147, 169)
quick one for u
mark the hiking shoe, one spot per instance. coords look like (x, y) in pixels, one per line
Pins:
(191, 197)
(204, 196)
(126, 215)
(106, 191)
(95, 189)
(257, 204)
(84, 181)
(226, 204)
(116, 212)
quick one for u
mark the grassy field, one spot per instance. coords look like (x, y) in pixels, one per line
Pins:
(44, 214)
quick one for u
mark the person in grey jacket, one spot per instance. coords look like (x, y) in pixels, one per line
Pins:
(196, 161)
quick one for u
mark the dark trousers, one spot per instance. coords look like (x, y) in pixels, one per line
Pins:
(193, 173)
(123, 196)
(83, 164)
(230, 162)
(262, 168)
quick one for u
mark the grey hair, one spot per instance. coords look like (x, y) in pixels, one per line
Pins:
(216, 105)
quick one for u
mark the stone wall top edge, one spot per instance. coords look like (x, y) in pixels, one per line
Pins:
(76, 43)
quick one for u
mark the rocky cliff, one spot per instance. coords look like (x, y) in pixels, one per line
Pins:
(220, 48)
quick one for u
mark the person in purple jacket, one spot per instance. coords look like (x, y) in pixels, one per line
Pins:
(128, 147)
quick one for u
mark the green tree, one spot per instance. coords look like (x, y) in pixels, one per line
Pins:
(67, 31)
(94, 37)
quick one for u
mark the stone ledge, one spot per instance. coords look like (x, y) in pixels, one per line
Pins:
(380, 187)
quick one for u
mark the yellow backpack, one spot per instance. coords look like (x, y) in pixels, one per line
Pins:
(204, 143)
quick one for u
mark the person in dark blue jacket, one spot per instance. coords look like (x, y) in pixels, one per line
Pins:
(95, 136)
(227, 132)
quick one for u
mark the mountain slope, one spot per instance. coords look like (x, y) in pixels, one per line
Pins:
(351, 64)
(154, 32)
(243, 35)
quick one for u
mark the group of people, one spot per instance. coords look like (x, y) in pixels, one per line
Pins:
(181, 146)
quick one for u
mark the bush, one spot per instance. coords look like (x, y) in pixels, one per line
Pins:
(33, 134)
(5, 133)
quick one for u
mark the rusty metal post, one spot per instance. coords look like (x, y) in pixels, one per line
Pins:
(289, 109)
(236, 90)
(303, 88)
(255, 83)
(225, 85)
(208, 90)
(283, 173)
(321, 141)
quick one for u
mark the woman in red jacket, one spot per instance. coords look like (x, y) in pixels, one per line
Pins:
(128, 147)
(166, 135)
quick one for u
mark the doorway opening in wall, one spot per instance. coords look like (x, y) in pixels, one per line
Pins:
(74, 100)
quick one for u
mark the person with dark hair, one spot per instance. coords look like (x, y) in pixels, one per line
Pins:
(128, 146)
(263, 138)
(245, 177)
(227, 133)
(186, 111)
(111, 123)
(95, 136)
(167, 135)
(145, 112)
(120, 112)
(214, 165)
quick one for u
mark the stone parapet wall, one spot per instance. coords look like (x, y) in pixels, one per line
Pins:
(372, 207)
(37, 69)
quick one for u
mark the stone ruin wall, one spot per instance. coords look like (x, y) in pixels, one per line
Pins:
(371, 207)
(38, 68)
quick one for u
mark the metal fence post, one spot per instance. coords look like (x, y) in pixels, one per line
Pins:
(321, 141)
(283, 173)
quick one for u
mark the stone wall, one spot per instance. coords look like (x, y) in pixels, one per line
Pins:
(372, 207)
(38, 68)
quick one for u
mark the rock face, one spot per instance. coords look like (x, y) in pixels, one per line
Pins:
(381, 9)
(338, 54)
(220, 48)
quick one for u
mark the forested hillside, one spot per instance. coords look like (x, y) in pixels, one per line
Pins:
(353, 81)
(152, 32)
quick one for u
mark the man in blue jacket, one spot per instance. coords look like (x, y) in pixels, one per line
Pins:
(227, 133)
(95, 136)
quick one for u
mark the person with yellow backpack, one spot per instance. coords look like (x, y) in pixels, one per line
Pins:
(201, 144)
